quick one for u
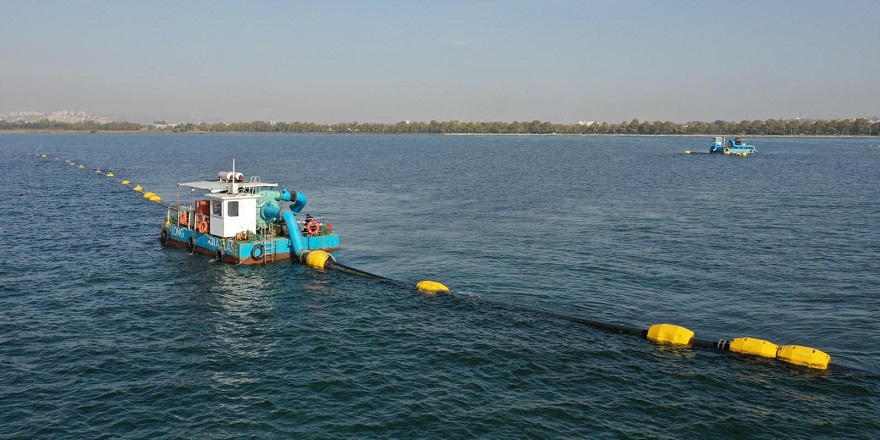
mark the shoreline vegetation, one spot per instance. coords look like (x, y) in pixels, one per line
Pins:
(769, 127)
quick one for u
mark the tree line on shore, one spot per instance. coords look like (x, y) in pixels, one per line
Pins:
(769, 127)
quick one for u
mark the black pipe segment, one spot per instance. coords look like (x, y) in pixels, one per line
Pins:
(720, 345)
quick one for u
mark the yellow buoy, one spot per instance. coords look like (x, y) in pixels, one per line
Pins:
(81, 166)
(98, 171)
(318, 258)
(804, 356)
(155, 198)
(431, 287)
(44, 156)
(125, 182)
(148, 194)
(670, 334)
(745, 154)
(110, 175)
(687, 151)
(138, 188)
(757, 347)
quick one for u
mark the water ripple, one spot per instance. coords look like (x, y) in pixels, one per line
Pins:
(105, 334)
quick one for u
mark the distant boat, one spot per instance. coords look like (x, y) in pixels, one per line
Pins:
(736, 146)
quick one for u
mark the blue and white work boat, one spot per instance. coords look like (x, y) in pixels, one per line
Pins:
(244, 222)
(735, 146)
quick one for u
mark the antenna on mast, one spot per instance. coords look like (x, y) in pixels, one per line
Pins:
(233, 185)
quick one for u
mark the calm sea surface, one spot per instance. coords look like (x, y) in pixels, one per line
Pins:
(105, 334)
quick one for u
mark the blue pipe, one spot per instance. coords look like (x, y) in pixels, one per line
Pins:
(269, 211)
(272, 210)
(285, 195)
(296, 238)
(299, 203)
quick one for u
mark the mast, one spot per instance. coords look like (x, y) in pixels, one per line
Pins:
(233, 187)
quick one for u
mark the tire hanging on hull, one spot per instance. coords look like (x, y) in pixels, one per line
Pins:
(258, 252)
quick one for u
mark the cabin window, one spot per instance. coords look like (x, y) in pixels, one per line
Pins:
(232, 209)
(217, 208)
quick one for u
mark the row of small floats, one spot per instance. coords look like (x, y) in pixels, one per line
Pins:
(666, 334)
(153, 197)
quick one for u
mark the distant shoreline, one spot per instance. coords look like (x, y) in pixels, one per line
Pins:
(238, 133)
(770, 127)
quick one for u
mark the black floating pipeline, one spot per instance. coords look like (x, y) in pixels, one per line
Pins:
(659, 333)
(320, 259)
(679, 336)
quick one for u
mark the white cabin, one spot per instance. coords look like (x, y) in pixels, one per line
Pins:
(233, 213)
(233, 203)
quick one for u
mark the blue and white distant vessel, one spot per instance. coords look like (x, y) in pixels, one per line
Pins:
(735, 146)
(244, 222)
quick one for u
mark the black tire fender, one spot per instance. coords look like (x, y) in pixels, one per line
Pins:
(258, 252)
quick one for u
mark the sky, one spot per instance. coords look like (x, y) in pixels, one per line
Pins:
(389, 61)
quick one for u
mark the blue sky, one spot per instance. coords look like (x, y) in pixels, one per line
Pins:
(387, 61)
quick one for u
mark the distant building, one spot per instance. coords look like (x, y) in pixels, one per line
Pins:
(70, 116)
(25, 114)
(58, 116)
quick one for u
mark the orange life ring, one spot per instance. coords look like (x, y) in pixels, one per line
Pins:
(312, 228)
(183, 218)
(203, 227)
(329, 227)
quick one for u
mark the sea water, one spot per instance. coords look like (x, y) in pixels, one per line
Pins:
(105, 333)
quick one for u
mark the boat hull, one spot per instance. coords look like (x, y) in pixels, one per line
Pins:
(244, 252)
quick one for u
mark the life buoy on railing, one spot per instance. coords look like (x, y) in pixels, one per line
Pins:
(183, 218)
(203, 227)
(312, 228)
(258, 251)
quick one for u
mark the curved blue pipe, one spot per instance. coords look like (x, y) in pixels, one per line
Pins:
(270, 211)
(285, 195)
(299, 203)
(296, 239)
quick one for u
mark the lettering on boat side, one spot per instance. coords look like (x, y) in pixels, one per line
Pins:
(213, 242)
(176, 232)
